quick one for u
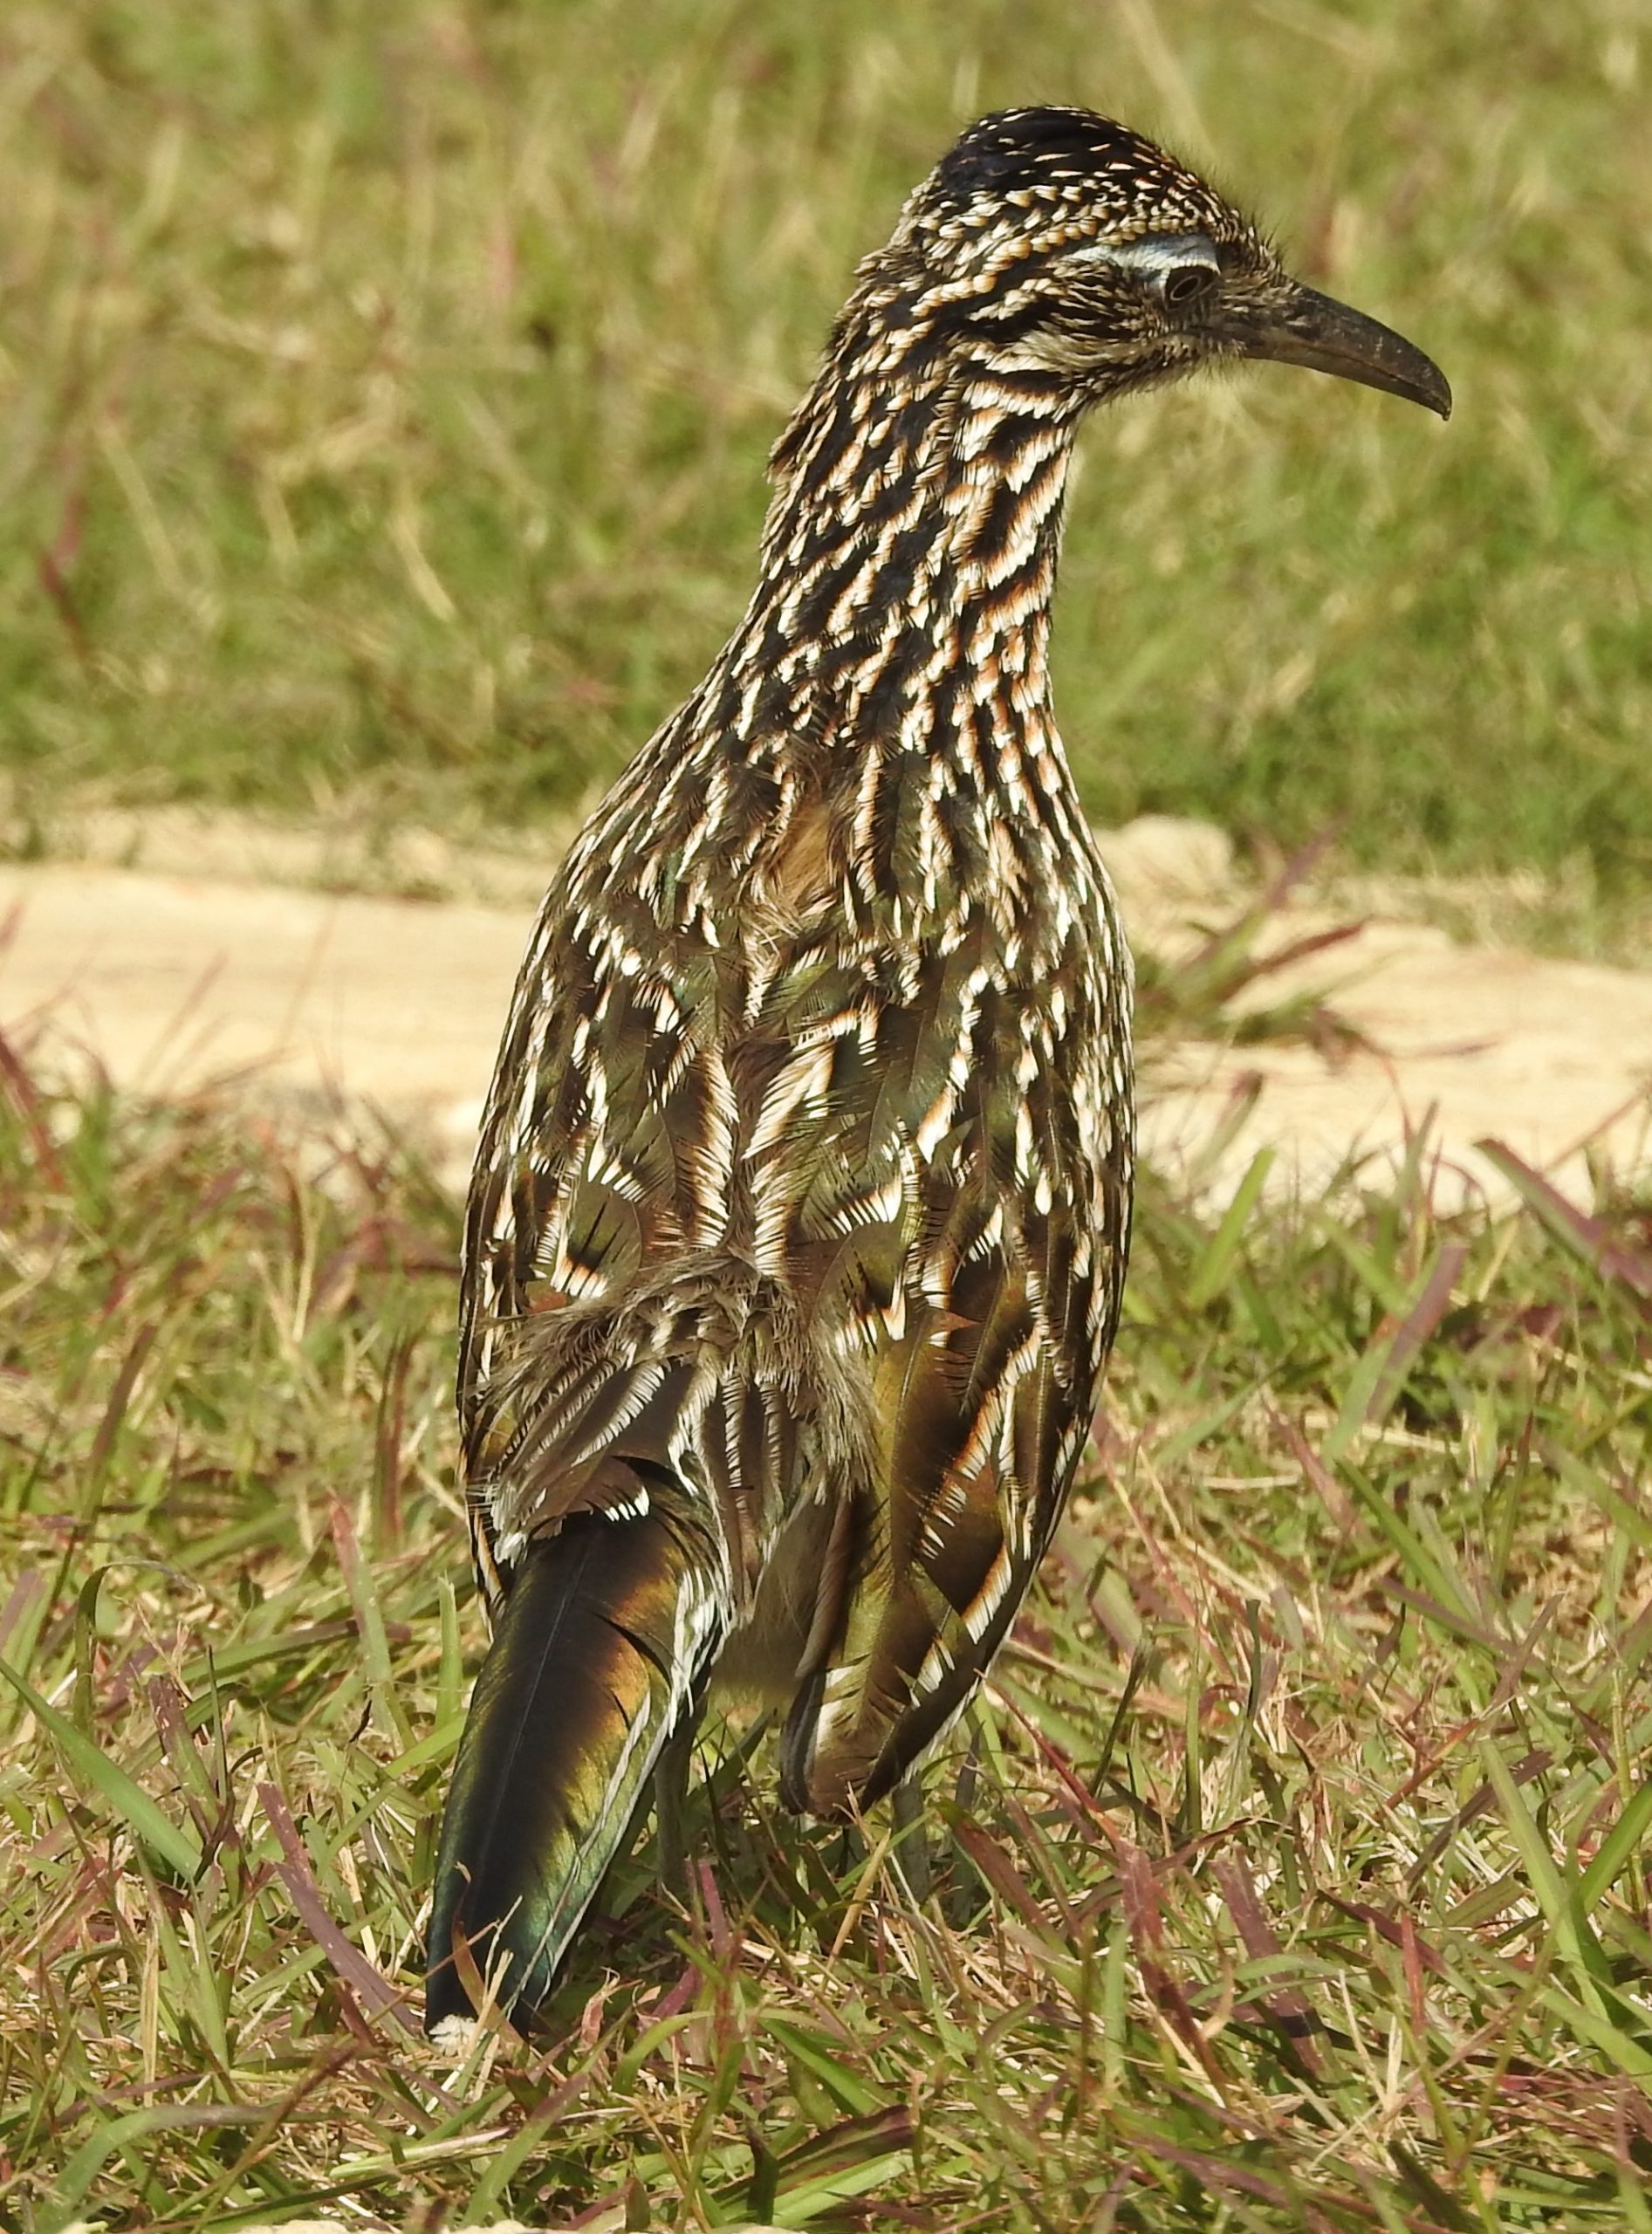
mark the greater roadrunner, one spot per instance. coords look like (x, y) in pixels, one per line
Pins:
(799, 1225)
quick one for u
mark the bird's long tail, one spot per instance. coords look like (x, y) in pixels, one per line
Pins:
(597, 1658)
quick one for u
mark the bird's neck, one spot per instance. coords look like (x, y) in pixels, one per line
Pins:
(909, 560)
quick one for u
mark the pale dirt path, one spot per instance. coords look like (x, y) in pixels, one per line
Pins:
(188, 973)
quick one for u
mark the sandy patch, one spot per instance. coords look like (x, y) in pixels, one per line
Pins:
(224, 960)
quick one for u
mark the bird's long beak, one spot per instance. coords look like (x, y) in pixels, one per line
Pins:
(1327, 336)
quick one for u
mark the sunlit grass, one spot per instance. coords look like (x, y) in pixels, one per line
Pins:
(1295, 1877)
(384, 394)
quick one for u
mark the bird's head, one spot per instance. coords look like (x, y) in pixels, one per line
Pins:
(1050, 245)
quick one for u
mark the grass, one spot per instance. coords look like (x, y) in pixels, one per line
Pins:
(1295, 1877)
(384, 392)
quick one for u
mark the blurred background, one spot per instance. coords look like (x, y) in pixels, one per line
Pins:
(385, 391)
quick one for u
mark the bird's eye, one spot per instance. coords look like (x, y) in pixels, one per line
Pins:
(1187, 285)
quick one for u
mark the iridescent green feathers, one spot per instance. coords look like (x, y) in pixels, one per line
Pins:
(600, 1645)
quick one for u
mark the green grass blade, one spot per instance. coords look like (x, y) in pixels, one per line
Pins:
(169, 1841)
(1617, 1848)
(1212, 1274)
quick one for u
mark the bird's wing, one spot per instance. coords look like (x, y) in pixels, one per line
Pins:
(887, 1190)
(992, 1106)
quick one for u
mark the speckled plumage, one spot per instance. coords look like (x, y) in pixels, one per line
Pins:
(798, 1227)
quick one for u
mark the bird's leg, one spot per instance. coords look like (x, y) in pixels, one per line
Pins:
(670, 1793)
(911, 1847)
(966, 1895)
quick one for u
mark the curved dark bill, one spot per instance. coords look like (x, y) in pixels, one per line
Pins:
(1327, 337)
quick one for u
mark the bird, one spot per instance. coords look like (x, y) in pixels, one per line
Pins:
(799, 1220)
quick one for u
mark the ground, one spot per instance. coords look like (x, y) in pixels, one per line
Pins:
(1292, 1876)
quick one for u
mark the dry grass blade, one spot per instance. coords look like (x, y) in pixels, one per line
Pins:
(378, 1996)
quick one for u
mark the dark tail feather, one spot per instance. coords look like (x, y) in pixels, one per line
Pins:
(598, 1654)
